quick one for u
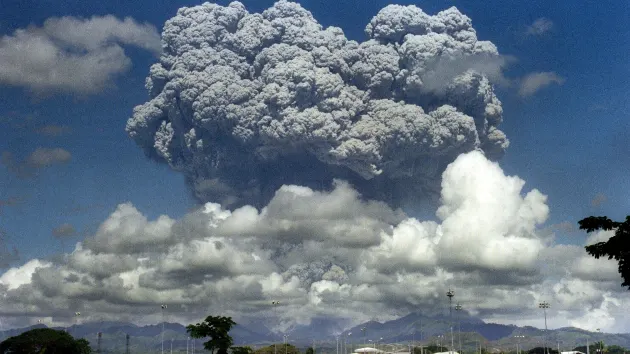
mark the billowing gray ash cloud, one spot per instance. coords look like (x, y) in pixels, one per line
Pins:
(242, 103)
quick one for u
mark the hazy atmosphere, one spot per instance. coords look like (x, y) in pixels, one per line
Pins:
(353, 160)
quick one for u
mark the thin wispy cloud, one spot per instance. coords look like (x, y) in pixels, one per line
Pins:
(535, 82)
(64, 230)
(39, 159)
(539, 27)
(10, 202)
(598, 200)
(54, 130)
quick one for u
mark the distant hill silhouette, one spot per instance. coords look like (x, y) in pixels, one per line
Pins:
(413, 327)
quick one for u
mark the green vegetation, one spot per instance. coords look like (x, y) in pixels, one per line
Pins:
(45, 341)
(217, 328)
(615, 349)
(617, 247)
(430, 349)
(541, 350)
(242, 350)
(281, 348)
(594, 348)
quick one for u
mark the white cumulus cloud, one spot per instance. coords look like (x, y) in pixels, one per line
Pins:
(333, 254)
(72, 54)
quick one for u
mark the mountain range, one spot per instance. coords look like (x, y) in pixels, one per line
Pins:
(414, 328)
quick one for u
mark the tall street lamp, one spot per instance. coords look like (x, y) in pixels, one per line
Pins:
(518, 344)
(458, 308)
(450, 293)
(162, 335)
(349, 341)
(364, 338)
(76, 322)
(275, 303)
(545, 305)
(413, 333)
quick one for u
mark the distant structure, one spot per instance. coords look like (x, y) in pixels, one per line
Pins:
(127, 345)
(98, 342)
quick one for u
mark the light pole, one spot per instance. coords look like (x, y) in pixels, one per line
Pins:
(76, 322)
(346, 343)
(450, 293)
(187, 341)
(364, 330)
(413, 334)
(171, 345)
(545, 305)
(458, 308)
(275, 303)
(601, 349)
(162, 335)
(286, 342)
(518, 344)
(337, 344)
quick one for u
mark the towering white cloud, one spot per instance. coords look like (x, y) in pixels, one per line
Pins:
(331, 254)
(243, 103)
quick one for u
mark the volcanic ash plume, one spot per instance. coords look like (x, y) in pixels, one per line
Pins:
(243, 103)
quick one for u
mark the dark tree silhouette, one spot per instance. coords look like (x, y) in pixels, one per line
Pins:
(541, 350)
(217, 328)
(45, 340)
(617, 247)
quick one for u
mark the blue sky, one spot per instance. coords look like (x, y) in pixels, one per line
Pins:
(568, 140)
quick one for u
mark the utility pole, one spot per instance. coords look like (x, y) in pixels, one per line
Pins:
(364, 338)
(345, 343)
(518, 344)
(98, 341)
(127, 344)
(450, 293)
(163, 308)
(76, 322)
(275, 303)
(545, 305)
(458, 308)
